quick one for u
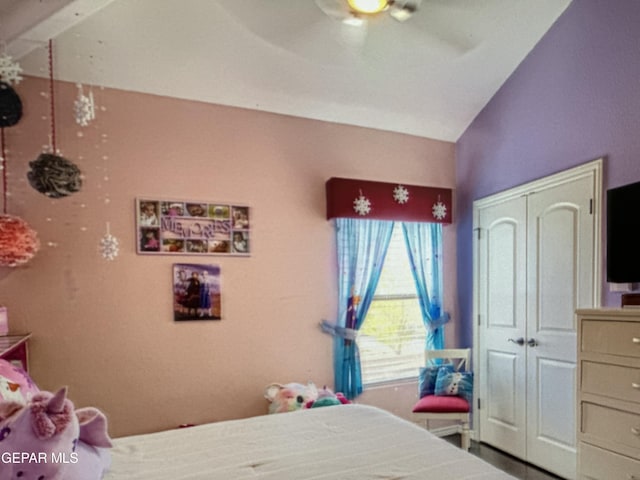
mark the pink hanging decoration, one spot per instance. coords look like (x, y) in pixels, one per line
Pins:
(18, 241)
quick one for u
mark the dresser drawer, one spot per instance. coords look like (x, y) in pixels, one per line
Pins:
(611, 426)
(611, 337)
(613, 381)
(599, 464)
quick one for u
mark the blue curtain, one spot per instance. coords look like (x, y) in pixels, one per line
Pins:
(424, 246)
(361, 246)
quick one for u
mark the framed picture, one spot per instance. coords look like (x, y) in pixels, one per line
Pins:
(196, 292)
(192, 228)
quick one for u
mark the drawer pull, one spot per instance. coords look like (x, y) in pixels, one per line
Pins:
(632, 477)
(635, 385)
(635, 340)
(635, 431)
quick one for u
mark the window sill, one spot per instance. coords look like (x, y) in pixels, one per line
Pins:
(390, 383)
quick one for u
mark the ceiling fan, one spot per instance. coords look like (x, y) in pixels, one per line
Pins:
(377, 24)
(358, 11)
(333, 33)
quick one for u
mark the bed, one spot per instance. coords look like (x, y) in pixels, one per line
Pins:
(345, 442)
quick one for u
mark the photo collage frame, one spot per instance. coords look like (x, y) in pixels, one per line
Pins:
(178, 227)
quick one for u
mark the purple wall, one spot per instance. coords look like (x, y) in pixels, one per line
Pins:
(576, 97)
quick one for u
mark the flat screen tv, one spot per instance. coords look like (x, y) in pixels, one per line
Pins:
(623, 239)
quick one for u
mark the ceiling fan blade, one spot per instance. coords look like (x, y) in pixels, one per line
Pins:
(277, 24)
(403, 10)
(441, 20)
(352, 28)
(354, 34)
(402, 43)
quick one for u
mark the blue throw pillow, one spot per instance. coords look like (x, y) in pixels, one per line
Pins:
(428, 376)
(455, 383)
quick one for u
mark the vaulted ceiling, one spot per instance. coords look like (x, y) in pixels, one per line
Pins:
(428, 76)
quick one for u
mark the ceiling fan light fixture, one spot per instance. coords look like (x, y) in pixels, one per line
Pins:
(368, 6)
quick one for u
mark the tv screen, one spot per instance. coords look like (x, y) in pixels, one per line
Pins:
(623, 241)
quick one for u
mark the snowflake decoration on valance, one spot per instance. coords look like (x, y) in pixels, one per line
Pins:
(362, 205)
(439, 210)
(401, 194)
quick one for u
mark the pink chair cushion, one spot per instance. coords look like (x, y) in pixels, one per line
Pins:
(441, 404)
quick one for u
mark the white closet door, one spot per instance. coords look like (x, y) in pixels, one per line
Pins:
(560, 274)
(502, 300)
(537, 261)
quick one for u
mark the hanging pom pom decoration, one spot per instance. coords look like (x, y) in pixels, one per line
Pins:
(54, 176)
(362, 205)
(18, 242)
(9, 70)
(109, 246)
(10, 106)
(84, 108)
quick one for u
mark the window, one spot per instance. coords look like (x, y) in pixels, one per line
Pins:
(391, 340)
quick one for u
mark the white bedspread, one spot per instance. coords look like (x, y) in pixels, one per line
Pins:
(347, 442)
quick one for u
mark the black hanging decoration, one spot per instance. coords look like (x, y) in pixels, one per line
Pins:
(10, 106)
(54, 176)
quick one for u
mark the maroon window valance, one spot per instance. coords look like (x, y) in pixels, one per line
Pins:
(365, 199)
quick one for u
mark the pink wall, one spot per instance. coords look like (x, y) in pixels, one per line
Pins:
(106, 329)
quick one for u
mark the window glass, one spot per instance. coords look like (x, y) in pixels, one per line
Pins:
(392, 339)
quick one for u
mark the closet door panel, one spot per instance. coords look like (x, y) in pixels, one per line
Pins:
(553, 425)
(502, 294)
(502, 374)
(559, 279)
(555, 248)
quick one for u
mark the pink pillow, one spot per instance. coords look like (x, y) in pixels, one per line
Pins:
(15, 383)
(441, 404)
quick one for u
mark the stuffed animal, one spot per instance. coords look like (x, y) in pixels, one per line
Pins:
(326, 398)
(15, 383)
(48, 439)
(289, 397)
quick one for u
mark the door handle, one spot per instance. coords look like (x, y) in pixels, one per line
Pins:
(532, 342)
(519, 341)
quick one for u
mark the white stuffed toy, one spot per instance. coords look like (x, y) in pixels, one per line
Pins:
(290, 397)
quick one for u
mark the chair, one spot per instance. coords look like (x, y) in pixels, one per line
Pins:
(450, 407)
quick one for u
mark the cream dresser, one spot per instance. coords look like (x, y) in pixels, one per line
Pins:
(608, 394)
